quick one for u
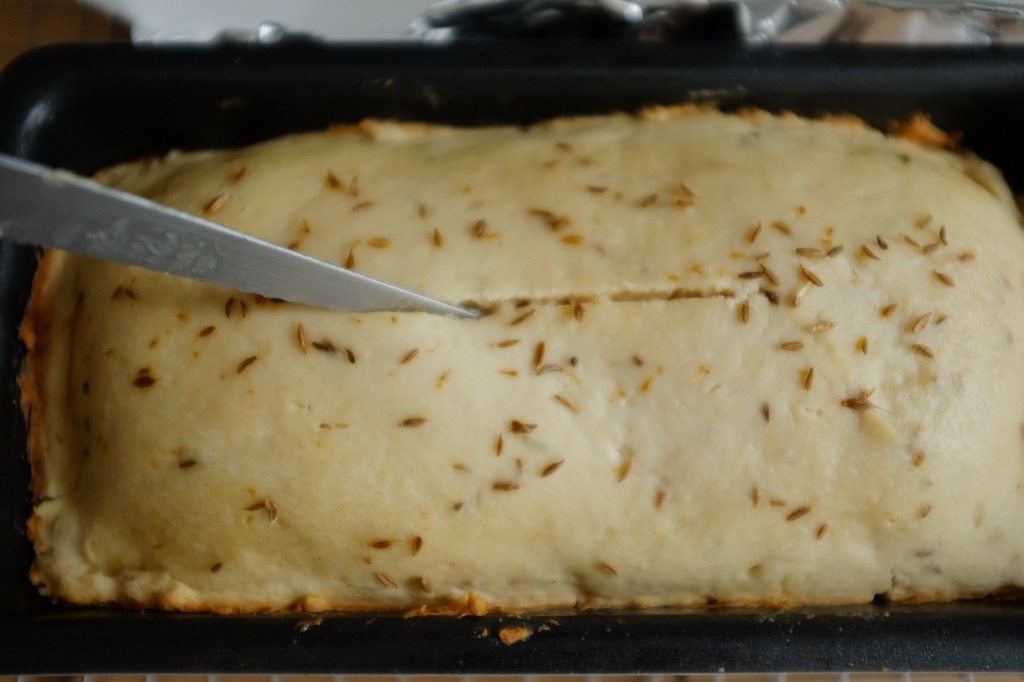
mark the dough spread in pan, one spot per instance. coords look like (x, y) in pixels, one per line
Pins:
(733, 359)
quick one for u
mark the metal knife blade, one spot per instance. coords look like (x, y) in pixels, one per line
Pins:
(57, 209)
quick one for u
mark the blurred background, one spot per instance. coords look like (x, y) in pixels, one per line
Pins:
(27, 23)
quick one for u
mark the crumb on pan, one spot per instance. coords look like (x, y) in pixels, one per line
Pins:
(514, 635)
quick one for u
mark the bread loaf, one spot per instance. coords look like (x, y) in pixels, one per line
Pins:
(735, 359)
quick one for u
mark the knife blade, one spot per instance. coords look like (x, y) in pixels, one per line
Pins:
(58, 209)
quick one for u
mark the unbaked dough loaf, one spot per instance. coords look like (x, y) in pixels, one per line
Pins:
(733, 359)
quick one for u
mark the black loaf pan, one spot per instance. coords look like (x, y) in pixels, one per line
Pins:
(82, 108)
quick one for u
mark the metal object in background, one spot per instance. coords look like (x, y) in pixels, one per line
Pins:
(753, 21)
(908, 22)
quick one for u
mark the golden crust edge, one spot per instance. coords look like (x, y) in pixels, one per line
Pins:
(917, 128)
(35, 335)
(473, 605)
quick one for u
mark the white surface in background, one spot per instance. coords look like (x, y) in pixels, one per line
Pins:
(203, 20)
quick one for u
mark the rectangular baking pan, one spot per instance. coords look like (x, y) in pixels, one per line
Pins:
(85, 107)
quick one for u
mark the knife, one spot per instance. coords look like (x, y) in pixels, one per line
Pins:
(58, 209)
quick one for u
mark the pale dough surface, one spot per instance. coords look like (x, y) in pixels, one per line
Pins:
(644, 429)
